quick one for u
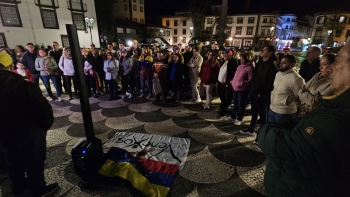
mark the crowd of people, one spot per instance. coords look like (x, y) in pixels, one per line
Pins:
(294, 108)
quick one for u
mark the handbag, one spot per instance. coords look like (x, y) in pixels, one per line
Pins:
(201, 90)
(157, 89)
(117, 78)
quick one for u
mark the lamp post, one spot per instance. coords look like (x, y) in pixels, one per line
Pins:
(89, 24)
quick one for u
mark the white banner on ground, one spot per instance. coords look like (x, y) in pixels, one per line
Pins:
(172, 150)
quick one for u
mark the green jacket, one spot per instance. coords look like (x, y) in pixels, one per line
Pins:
(313, 157)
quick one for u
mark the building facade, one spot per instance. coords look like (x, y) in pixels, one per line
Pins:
(130, 10)
(331, 29)
(180, 29)
(43, 21)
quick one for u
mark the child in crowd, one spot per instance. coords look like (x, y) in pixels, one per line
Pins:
(25, 73)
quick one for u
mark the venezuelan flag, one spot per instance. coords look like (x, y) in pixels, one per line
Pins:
(153, 178)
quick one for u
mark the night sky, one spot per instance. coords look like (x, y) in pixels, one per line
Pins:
(298, 7)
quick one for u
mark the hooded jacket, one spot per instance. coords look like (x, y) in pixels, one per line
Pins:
(23, 108)
(66, 65)
(311, 158)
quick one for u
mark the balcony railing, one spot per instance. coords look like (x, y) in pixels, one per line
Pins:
(76, 6)
(47, 3)
(11, 1)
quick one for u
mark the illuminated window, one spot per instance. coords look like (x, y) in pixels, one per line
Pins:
(250, 30)
(78, 20)
(251, 20)
(65, 41)
(49, 19)
(10, 16)
(238, 30)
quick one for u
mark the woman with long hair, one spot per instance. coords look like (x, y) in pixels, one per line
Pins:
(209, 75)
(66, 65)
(18, 54)
(308, 93)
(111, 68)
(89, 71)
(146, 73)
(46, 65)
(177, 72)
(194, 66)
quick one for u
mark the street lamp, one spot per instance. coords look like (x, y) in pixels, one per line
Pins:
(89, 24)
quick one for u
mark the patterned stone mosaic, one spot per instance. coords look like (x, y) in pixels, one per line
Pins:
(221, 161)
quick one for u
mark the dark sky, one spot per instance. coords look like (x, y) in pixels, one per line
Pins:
(300, 7)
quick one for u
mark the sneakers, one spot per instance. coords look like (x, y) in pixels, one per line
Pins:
(59, 99)
(206, 107)
(193, 100)
(131, 96)
(247, 132)
(50, 189)
(198, 101)
(237, 122)
(142, 96)
(219, 117)
(51, 99)
(127, 93)
(229, 119)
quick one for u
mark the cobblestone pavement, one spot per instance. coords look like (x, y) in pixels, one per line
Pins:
(221, 161)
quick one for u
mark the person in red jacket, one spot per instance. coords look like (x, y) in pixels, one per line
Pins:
(25, 73)
(209, 75)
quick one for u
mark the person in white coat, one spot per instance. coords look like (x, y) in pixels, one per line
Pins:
(111, 67)
(66, 65)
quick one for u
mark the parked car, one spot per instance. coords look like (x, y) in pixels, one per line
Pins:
(328, 50)
(286, 49)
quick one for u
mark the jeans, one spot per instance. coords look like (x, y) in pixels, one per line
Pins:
(59, 79)
(209, 93)
(239, 100)
(90, 83)
(69, 80)
(36, 78)
(225, 94)
(47, 84)
(275, 117)
(147, 80)
(259, 107)
(113, 87)
(26, 156)
(195, 91)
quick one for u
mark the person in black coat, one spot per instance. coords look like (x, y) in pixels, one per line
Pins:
(177, 71)
(311, 65)
(23, 138)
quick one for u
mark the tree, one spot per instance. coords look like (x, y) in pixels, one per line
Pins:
(105, 19)
(196, 12)
(333, 23)
(222, 25)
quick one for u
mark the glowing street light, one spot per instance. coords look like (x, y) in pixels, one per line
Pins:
(90, 24)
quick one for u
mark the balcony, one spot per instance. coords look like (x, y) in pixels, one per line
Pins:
(11, 1)
(47, 3)
(76, 6)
